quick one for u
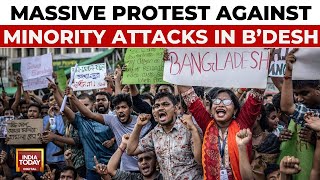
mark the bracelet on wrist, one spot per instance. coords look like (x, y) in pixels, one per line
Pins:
(287, 77)
(239, 91)
(257, 94)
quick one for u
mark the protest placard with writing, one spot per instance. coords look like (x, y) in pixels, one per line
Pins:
(307, 65)
(24, 131)
(36, 83)
(237, 68)
(144, 66)
(278, 63)
(89, 77)
(3, 125)
(35, 71)
(277, 68)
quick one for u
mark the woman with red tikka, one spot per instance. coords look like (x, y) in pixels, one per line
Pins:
(220, 156)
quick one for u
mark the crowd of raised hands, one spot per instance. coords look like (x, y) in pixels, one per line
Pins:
(171, 131)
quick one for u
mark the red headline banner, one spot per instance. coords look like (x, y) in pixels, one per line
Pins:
(159, 36)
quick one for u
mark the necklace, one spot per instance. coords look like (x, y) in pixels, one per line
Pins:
(258, 135)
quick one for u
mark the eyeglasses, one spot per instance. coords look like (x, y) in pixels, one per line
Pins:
(225, 102)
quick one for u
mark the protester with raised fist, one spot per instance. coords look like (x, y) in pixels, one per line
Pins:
(174, 137)
(243, 138)
(220, 127)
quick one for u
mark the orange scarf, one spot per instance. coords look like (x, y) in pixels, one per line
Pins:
(210, 151)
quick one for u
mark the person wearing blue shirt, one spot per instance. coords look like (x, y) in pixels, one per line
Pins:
(54, 122)
(56, 125)
(307, 93)
(92, 134)
(121, 123)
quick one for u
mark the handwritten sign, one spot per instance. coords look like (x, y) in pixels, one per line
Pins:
(25, 131)
(277, 68)
(144, 66)
(237, 68)
(3, 125)
(89, 77)
(35, 71)
(307, 65)
(278, 63)
(36, 83)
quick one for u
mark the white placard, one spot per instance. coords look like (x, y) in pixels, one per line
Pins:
(222, 67)
(307, 66)
(278, 63)
(35, 71)
(36, 83)
(277, 68)
(37, 66)
(89, 77)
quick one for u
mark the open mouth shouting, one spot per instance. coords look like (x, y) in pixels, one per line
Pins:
(122, 117)
(162, 116)
(220, 113)
(145, 169)
(101, 108)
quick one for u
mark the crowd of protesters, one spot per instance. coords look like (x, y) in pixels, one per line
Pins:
(170, 132)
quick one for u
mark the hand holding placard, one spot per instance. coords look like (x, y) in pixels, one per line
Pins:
(70, 83)
(307, 65)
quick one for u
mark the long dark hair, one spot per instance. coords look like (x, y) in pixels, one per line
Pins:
(266, 110)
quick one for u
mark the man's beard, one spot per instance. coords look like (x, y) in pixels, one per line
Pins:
(102, 110)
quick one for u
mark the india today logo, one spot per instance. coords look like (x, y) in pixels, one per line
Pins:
(30, 160)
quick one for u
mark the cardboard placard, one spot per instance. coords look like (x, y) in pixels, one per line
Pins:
(24, 131)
